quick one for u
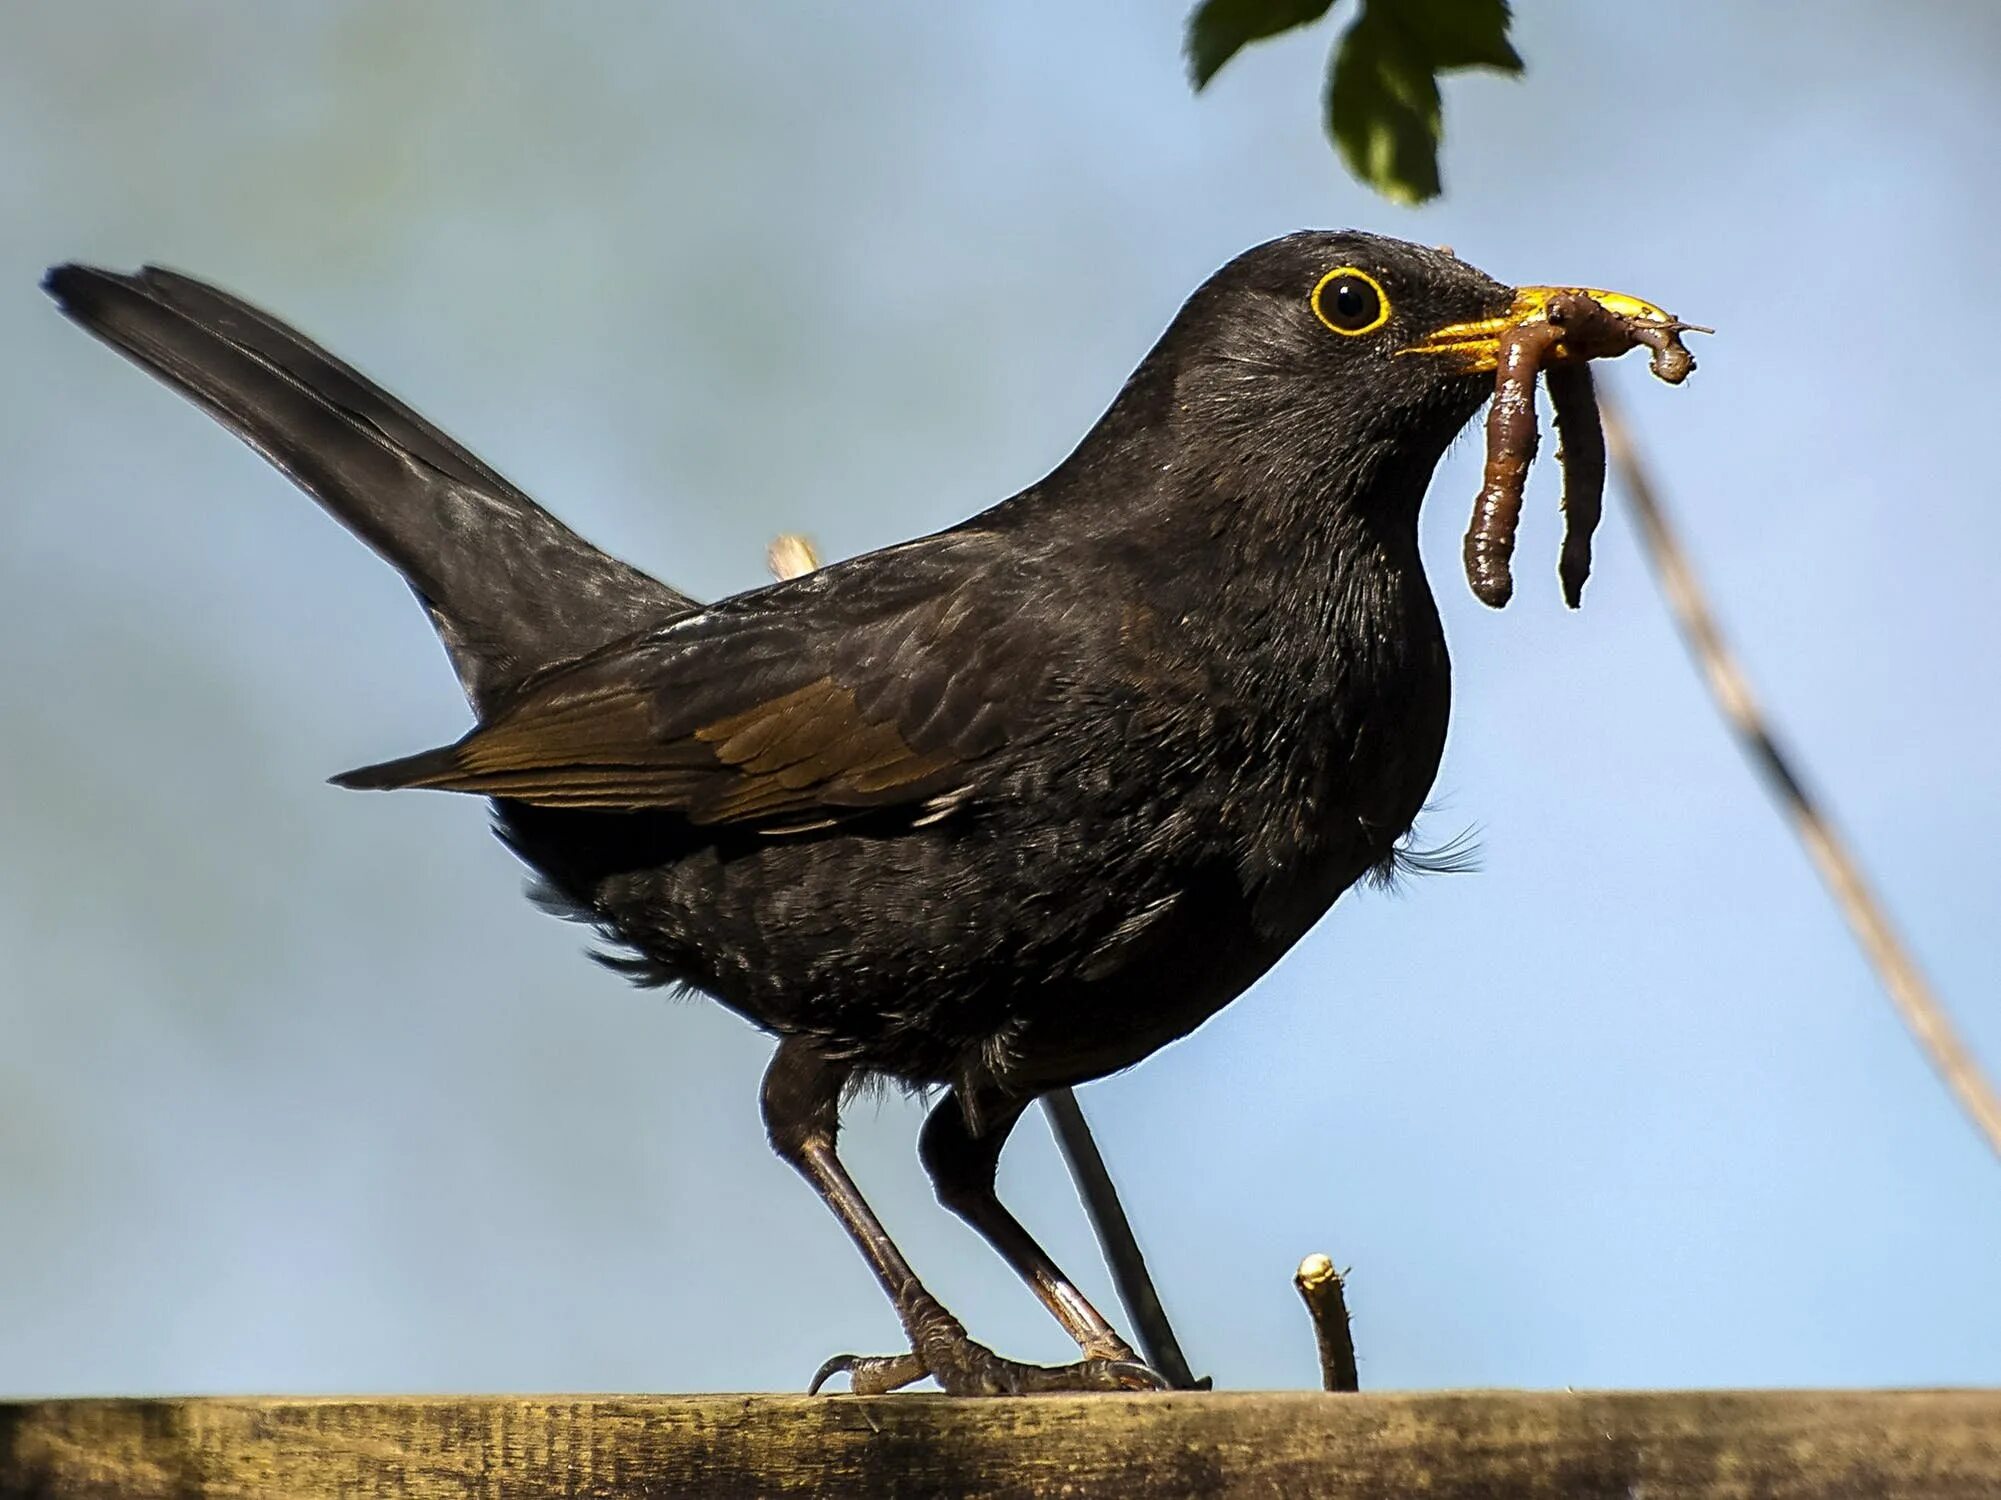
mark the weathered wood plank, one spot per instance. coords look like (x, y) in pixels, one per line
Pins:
(1808, 1445)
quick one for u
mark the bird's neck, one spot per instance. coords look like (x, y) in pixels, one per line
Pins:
(1289, 511)
(1321, 582)
(1287, 522)
(1306, 550)
(1285, 572)
(1338, 654)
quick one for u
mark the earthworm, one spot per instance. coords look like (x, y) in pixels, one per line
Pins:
(1581, 454)
(1574, 327)
(1511, 445)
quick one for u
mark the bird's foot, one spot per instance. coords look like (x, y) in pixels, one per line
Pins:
(964, 1368)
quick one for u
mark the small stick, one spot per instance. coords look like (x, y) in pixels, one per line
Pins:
(1320, 1289)
(791, 555)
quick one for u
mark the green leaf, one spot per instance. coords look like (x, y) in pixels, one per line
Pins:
(1218, 29)
(1383, 109)
(1457, 33)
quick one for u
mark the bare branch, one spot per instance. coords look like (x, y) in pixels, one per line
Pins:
(1916, 1002)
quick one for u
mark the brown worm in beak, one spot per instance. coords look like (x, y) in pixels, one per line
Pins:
(1581, 455)
(1573, 328)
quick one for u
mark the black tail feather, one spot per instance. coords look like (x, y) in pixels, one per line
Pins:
(510, 588)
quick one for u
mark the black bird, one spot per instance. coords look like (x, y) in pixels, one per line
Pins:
(998, 810)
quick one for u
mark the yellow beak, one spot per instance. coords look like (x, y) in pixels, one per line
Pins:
(1477, 346)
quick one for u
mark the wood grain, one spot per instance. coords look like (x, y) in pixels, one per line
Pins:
(1855, 1445)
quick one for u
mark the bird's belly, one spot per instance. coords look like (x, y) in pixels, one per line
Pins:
(938, 957)
(1046, 940)
(1211, 956)
(1281, 850)
(1217, 941)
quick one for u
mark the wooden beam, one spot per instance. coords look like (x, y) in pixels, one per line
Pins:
(1776, 1445)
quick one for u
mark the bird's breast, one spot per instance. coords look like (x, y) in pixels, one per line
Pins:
(1346, 736)
(1274, 796)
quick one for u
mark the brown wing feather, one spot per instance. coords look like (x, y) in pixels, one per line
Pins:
(806, 750)
(798, 705)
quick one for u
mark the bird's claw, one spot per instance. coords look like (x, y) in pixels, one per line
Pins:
(870, 1374)
(965, 1368)
(1130, 1375)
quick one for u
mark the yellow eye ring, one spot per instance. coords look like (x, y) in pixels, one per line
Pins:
(1360, 305)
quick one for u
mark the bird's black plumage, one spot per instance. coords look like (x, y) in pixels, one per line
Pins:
(1004, 808)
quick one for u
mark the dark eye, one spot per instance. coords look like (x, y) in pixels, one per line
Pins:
(1351, 301)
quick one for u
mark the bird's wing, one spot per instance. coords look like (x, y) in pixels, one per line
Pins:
(886, 681)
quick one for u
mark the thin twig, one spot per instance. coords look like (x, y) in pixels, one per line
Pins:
(1909, 991)
(1116, 1240)
(1326, 1302)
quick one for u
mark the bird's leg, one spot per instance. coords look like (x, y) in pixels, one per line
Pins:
(962, 1159)
(802, 1091)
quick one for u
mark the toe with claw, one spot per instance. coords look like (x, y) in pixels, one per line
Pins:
(966, 1368)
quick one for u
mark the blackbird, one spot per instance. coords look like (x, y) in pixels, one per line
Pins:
(995, 811)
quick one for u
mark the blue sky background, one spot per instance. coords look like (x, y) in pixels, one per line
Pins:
(296, 1094)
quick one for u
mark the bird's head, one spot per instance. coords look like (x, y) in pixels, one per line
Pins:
(1335, 354)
